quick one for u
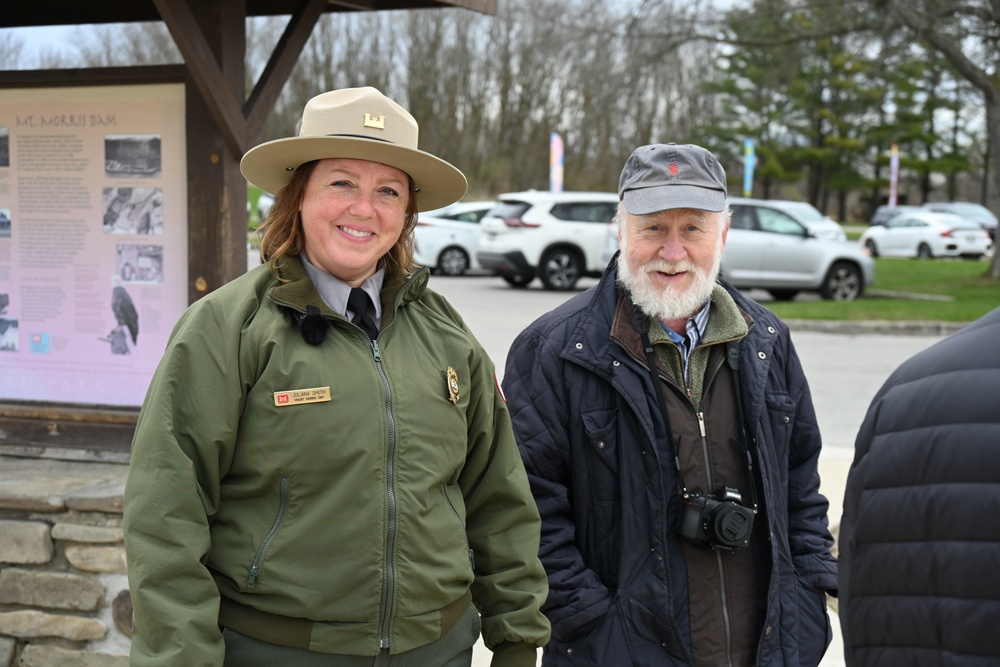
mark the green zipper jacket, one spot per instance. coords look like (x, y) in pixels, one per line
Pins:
(361, 488)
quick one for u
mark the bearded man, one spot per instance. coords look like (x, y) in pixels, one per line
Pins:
(671, 444)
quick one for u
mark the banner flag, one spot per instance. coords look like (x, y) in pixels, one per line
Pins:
(893, 174)
(749, 160)
(555, 162)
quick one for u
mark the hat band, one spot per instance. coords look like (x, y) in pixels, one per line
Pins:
(362, 136)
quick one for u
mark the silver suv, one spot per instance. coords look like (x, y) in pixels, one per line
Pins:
(811, 218)
(767, 249)
(558, 237)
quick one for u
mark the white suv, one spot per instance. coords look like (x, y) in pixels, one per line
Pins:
(557, 236)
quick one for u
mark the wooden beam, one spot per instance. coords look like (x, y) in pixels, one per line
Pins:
(355, 5)
(279, 67)
(206, 73)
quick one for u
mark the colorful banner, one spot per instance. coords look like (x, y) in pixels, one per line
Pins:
(749, 161)
(893, 174)
(555, 162)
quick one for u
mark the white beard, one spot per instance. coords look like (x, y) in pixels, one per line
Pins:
(671, 302)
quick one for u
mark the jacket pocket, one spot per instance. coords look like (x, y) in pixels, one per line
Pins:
(459, 518)
(602, 455)
(603, 643)
(597, 496)
(815, 632)
(258, 559)
(780, 410)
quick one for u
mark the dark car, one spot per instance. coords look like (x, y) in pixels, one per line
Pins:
(885, 213)
(970, 211)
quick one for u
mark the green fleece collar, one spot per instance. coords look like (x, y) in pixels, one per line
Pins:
(296, 290)
(725, 321)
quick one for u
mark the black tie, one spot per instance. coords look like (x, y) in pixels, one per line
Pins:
(364, 311)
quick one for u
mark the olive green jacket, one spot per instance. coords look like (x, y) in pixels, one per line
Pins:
(363, 486)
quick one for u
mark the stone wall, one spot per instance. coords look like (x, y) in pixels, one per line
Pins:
(64, 598)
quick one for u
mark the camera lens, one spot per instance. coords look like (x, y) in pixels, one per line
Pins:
(730, 525)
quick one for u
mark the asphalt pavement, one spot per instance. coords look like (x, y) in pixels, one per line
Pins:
(845, 365)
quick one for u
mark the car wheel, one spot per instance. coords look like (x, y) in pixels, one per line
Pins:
(842, 283)
(560, 269)
(872, 248)
(924, 251)
(453, 262)
(518, 279)
(783, 294)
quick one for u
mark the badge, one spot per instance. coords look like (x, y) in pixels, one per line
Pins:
(300, 396)
(452, 385)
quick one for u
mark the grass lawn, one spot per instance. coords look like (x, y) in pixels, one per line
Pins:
(948, 290)
(253, 194)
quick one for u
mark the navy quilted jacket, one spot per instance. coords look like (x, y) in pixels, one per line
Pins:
(586, 420)
(920, 539)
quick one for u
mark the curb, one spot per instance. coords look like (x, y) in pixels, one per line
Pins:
(901, 328)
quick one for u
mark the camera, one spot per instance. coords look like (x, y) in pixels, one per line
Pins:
(720, 519)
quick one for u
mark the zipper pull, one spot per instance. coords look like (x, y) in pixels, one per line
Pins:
(254, 574)
(701, 423)
(376, 351)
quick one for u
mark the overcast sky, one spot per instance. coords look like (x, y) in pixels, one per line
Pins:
(43, 39)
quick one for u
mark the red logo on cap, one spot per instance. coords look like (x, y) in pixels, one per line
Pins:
(673, 168)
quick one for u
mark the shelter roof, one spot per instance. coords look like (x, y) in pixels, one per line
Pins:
(75, 12)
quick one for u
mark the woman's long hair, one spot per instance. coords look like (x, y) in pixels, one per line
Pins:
(281, 232)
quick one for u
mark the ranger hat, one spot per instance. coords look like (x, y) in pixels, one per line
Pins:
(659, 177)
(362, 124)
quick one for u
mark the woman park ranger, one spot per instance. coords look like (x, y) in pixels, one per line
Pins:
(323, 471)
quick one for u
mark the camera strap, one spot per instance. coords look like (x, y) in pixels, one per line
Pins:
(641, 325)
(640, 322)
(733, 358)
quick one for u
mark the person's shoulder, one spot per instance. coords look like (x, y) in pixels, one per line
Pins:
(567, 316)
(761, 316)
(436, 304)
(236, 300)
(973, 348)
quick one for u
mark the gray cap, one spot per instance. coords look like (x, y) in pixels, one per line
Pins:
(659, 177)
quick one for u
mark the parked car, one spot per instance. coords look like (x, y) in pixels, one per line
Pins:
(821, 226)
(884, 213)
(264, 203)
(969, 211)
(558, 237)
(446, 239)
(926, 234)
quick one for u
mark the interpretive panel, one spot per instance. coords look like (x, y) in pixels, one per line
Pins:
(93, 239)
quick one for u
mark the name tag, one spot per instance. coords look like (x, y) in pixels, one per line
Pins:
(300, 396)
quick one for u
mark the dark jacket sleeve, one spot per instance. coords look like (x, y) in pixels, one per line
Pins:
(537, 396)
(808, 523)
(503, 530)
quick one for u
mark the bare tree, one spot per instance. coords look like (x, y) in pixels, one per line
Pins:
(119, 45)
(11, 50)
